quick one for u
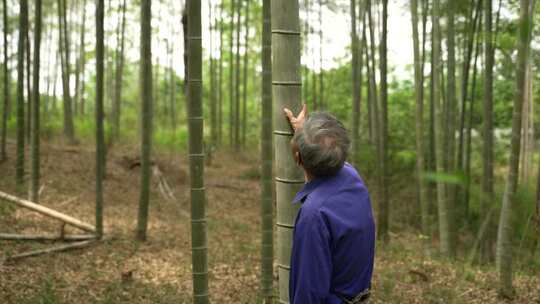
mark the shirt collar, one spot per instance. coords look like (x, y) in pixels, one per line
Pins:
(307, 189)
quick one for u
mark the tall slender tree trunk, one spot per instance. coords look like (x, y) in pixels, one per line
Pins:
(487, 147)
(117, 104)
(237, 79)
(322, 101)
(212, 89)
(418, 71)
(5, 109)
(23, 28)
(231, 75)
(100, 141)
(356, 85)
(79, 6)
(504, 236)
(444, 219)
(267, 237)
(28, 66)
(451, 123)
(220, 76)
(64, 58)
(244, 85)
(468, 144)
(199, 247)
(82, 63)
(34, 142)
(384, 208)
(374, 100)
(287, 90)
(146, 116)
(469, 47)
(48, 72)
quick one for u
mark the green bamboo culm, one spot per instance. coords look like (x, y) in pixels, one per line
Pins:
(199, 247)
(419, 126)
(442, 203)
(267, 246)
(504, 235)
(5, 109)
(146, 116)
(34, 135)
(286, 91)
(23, 28)
(100, 145)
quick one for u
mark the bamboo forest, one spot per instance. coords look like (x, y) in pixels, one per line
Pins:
(151, 150)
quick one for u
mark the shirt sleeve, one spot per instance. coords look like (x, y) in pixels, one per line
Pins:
(311, 262)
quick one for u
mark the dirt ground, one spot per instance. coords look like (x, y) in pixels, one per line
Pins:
(120, 270)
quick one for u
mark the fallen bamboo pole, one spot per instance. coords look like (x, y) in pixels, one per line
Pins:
(48, 212)
(60, 248)
(38, 237)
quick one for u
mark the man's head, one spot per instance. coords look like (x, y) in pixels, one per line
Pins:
(321, 145)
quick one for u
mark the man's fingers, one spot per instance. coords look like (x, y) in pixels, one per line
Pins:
(304, 110)
(288, 113)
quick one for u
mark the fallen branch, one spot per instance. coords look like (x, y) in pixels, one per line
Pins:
(60, 248)
(37, 237)
(48, 212)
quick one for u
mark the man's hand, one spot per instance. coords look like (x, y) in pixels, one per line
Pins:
(296, 122)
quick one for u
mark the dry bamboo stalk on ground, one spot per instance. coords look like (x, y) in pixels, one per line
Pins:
(60, 248)
(38, 237)
(47, 212)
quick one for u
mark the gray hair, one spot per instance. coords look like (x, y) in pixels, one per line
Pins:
(323, 144)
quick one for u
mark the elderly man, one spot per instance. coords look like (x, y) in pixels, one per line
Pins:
(334, 234)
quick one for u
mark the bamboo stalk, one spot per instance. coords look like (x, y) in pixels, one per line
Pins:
(60, 248)
(286, 90)
(47, 212)
(38, 237)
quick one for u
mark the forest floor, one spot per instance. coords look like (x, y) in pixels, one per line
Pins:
(120, 270)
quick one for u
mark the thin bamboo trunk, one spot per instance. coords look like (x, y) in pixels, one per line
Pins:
(231, 75)
(64, 57)
(82, 62)
(237, 79)
(199, 237)
(287, 90)
(384, 207)
(418, 71)
(245, 82)
(146, 116)
(444, 220)
(504, 236)
(23, 28)
(220, 77)
(117, 104)
(322, 101)
(468, 146)
(35, 125)
(28, 66)
(212, 88)
(6, 92)
(267, 237)
(357, 94)
(460, 166)
(100, 141)
(450, 130)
